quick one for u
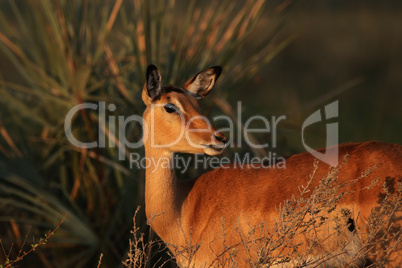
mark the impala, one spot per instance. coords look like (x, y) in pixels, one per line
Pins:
(215, 213)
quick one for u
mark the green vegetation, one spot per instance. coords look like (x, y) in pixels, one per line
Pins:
(57, 54)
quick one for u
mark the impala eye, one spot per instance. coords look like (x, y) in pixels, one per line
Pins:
(171, 108)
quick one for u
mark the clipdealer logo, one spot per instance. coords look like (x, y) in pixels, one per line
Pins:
(111, 124)
(332, 134)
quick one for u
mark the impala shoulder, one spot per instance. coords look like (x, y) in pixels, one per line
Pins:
(378, 151)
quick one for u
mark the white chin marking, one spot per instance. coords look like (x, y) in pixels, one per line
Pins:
(212, 152)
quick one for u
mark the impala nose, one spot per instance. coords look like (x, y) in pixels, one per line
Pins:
(220, 137)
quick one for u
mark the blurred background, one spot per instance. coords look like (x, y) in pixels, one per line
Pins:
(279, 58)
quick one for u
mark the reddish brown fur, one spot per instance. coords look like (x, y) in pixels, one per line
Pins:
(258, 193)
(244, 197)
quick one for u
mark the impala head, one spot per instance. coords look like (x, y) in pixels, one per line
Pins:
(173, 117)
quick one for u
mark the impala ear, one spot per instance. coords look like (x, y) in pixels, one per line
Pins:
(153, 86)
(202, 83)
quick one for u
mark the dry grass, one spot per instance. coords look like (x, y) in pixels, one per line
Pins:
(10, 262)
(304, 235)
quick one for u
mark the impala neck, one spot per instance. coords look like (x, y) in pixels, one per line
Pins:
(162, 196)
